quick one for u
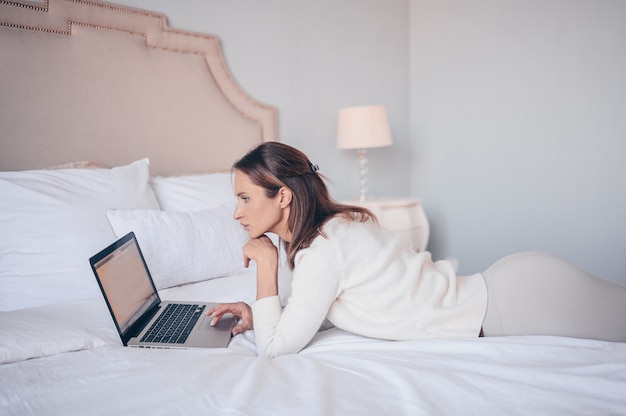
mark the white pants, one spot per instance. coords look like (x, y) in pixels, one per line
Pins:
(539, 294)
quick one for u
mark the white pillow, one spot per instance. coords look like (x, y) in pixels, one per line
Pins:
(25, 337)
(54, 329)
(193, 192)
(52, 221)
(185, 247)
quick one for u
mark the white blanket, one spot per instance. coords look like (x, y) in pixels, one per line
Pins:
(90, 373)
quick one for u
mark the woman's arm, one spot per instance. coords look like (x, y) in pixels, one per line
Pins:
(315, 287)
(264, 253)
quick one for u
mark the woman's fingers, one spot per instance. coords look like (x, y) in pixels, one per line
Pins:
(240, 310)
(239, 328)
(218, 311)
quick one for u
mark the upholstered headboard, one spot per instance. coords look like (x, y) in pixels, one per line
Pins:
(85, 80)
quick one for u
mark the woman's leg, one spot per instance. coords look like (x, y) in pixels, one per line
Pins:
(539, 294)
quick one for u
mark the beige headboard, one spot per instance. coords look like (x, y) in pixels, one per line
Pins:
(84, 80)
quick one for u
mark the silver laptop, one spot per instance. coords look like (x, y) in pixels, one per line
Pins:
(140, 316)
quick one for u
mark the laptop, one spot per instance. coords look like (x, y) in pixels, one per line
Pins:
(141, 318)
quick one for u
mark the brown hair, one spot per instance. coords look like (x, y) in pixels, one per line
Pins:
(272, 165)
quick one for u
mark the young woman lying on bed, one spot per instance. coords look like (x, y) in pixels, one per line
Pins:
(364, 280)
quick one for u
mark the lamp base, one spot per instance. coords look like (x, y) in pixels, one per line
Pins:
(362, 153)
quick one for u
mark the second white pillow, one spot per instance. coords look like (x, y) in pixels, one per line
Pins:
(185, 247)
(193, 192)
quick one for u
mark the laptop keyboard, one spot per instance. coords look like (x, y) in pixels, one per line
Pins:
(174, 325)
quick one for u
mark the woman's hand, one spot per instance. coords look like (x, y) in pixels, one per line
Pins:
(261, 250)
(241, 310)
(265, 254)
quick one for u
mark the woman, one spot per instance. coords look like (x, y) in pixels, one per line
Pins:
(345, 267)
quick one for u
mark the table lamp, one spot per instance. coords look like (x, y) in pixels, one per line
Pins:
(362, 128)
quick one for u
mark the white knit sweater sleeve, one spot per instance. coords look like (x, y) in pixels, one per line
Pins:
(314, 288)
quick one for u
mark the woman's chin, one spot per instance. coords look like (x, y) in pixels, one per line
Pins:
(253, 235)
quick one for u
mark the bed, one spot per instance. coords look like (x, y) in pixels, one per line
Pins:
(113, 121)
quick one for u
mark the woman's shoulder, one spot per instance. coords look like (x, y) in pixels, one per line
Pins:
(345, 224)
(341, 237)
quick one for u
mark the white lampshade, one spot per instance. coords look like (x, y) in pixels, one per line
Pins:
(363, 127)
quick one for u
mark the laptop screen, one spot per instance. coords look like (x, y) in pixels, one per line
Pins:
(125, 282)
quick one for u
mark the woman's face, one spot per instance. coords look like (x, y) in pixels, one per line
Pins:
(256, 212)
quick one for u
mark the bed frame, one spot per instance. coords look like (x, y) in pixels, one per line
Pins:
(86, 80)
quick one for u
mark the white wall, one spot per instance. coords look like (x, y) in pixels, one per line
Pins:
(518, 129)
(310, 59)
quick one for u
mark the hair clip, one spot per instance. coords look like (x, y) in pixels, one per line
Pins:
(314, 168)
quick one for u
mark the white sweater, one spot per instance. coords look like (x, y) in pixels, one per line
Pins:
(366, 281)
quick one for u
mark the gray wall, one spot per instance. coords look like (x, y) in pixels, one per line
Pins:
(518, 129)
(508, 116)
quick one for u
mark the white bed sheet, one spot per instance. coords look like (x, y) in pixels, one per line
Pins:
(337, 374)
(234, 288)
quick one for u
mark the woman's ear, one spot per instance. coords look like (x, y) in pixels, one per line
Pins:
(285, 196)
